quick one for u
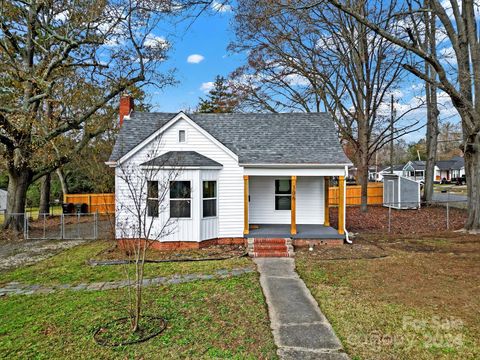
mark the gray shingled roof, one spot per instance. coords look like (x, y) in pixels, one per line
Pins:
(454, 164)
(288, 138)
(182, 158)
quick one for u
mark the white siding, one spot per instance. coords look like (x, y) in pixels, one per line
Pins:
(310, 201)
(230, 186)
(209, 226)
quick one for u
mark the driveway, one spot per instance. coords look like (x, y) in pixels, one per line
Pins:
(21, 253)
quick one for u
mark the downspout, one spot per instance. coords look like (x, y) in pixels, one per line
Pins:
(347, 238)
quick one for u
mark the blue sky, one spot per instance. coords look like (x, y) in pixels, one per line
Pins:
(206, 40)
(208, 36)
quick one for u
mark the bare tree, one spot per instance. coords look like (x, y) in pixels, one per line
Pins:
(142, 215)
(319, 59)
(62, 62)
(461, 80)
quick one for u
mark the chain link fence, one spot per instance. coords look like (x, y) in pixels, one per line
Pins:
(89, 226)
(436, 215)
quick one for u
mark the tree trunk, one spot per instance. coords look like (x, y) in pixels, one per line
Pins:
(45, 195)
(432, 110)
(431, 141)
(63, 182)
(362, 176)
(18, 182)
(472, 169)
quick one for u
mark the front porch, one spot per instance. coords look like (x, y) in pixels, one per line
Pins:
(304, 231)
(292, 207)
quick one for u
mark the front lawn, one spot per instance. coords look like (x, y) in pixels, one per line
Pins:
(206, 319)
(70, 267)
(408, 298)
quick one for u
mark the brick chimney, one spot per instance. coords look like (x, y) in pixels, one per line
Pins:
(126, 107)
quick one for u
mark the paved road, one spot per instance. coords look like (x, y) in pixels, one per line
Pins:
(438, 196)
(300, 330)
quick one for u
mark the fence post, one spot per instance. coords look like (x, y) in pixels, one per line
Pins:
(25, 226)
(448, 210)
(96, 225)
(62, 226)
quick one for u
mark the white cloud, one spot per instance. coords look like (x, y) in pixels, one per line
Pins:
(195, 59)
(221, 6)
(207, 86)
(155, 42)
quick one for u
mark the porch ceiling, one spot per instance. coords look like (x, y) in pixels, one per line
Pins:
(304, 231)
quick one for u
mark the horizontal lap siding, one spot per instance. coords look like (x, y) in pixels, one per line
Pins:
(230, 184)
(310, 201)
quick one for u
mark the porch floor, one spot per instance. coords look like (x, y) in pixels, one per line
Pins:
(304, 231)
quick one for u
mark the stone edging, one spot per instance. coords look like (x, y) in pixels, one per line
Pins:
(17, 288)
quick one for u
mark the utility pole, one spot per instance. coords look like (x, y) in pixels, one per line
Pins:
(392, 115)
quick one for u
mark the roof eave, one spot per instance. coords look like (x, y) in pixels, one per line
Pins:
(293, 165)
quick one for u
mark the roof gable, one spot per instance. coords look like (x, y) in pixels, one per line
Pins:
(293, 138)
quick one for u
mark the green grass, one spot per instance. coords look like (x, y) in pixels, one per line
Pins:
(69, 267)
(206, 319)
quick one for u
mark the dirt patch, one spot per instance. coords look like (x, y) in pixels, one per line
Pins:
(14, 254)
(354, 251)
(210, 252)
(426, 220)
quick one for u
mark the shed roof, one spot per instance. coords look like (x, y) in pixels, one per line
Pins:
(287, 138)
(182, 158)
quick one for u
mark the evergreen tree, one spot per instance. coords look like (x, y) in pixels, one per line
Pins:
(220, 99)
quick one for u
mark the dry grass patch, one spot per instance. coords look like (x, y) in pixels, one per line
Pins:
(421, 301)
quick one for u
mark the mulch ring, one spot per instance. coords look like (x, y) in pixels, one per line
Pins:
(426, 220)
(207, 253)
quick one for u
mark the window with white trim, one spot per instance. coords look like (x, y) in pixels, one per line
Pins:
(180, 199)
(209, 198)
(182, 136)
(152, 198)
(283, 194)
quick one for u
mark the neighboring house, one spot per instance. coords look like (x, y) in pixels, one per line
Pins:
(397, 170)
(3, 200)
(372, 173)
(266, 175)
(414, 170)
(445, 170)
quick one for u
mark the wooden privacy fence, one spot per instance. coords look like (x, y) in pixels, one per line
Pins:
(354, 194)
(101, 203)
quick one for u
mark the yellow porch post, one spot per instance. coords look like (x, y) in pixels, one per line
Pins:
(341, 205)
(326, 185)
(293, 211)
(245, 205)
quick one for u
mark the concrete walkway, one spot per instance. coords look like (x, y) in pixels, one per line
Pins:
(17, 288)
(300, 330)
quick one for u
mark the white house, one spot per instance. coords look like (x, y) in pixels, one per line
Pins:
(240, 176)
(445, 170)
(397, 170)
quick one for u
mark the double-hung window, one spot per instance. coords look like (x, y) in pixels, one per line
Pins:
(180, 199)
(209, 198)
(152, 198)
(283, 194)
